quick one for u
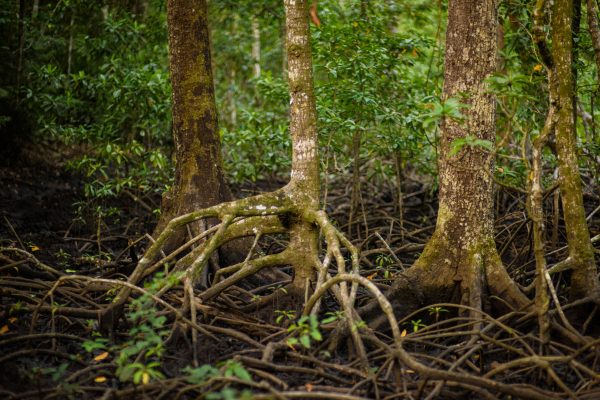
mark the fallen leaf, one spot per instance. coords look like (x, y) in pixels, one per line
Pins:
(403, 333)
(100, 379)
(12, 320)
(34, 248)
(4, 329)
(101, 356)
(370, 277)
(309, 387)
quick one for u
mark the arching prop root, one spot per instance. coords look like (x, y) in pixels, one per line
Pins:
(441, 274)
(266, 214)
(526, 358)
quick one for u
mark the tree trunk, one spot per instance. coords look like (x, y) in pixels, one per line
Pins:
(199, 181)
(461, 255)
(255, 47)
(304, 186)
(584, 280)
(293, 209)
(592, 13)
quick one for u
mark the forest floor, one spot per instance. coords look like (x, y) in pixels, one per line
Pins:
(52, 347)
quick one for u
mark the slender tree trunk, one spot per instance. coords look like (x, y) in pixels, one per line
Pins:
(255, 47)
(199, 181)
(21, 34)
(70, 46)
(584, 280)
(593, 26)
(305, 181)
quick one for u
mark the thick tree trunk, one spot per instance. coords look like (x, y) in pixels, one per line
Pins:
(461, 255)
(199, 181)
(584, 279)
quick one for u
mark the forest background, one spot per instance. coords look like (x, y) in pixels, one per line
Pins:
(87, 152)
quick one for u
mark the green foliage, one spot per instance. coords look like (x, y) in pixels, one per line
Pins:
(283, 315)
(207, 374)
(115, 168)
(139, 358)
(332, 316)
(450, 108)
(383, 263)
(370, 79)
(470, 141)
(368, 82)
(417, 324)
(95, 76)
(437, 311)
(115, 85)
(304, 331)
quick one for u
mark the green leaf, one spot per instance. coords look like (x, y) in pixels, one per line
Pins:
(200, 374)
(240, 372)
(315, 334)
(305, 341)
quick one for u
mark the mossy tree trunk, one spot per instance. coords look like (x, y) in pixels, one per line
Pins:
(304, 186)
(584, 278)
(199, 181)
(594, 28)
(460, 262)
(293, 209)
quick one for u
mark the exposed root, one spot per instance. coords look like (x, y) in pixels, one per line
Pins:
(256, 216)
(409, 361)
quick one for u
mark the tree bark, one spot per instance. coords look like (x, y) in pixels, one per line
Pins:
(461, 255)
(255, 47)
(592, 14)
(199, 180)
(584, 280)
(304, 186)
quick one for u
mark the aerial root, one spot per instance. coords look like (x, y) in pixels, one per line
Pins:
(407, 360)
(458, 344)
(255, 216)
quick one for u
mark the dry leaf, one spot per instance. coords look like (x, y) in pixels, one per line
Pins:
(12, 320)
(403, 333)
(309, 387)
(100, 379)
(101, 356)
(34, 248)
(370, 277)
(4, 329)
